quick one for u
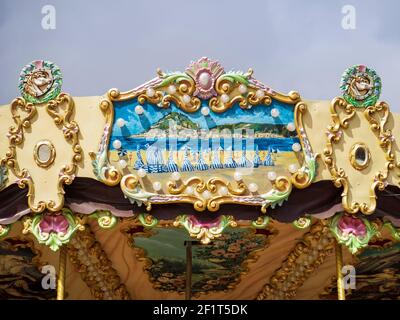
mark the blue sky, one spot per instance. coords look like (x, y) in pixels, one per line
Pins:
(291, 45)
(257, 114)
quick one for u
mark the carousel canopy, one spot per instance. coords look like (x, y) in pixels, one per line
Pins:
(265, 188)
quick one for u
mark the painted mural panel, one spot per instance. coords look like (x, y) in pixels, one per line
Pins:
(170, 139)
(216, 267)
(20, 277)
(377, 275)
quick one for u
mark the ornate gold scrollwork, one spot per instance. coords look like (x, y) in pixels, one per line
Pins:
(334, 135)
(308, 254)
(96, 270)
(384, 135)
(70, 129)
(16, 138)
(227, 89)
(205, 80)
(105, 172)
(206, 194)
(305, 176)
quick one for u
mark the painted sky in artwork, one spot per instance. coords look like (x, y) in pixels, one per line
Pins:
(257, 114)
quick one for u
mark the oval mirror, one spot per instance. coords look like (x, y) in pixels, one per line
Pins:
(44, 153)
(359, 156)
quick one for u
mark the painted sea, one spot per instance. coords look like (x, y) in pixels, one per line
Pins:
(263, 144)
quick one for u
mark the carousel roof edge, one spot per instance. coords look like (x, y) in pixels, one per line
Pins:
(57, 147)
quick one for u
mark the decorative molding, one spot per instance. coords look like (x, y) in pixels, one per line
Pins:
(105, 219)
(95, 268)
(334, 136)
(40, 81)
(360, 86)
(183, 88)
(53, 230)
(205, 81)
(147, 220)
(302, 223)
(308, 254)
(205, 232)
(70, 130)
(4, 230)
(102, 169)
(351, 231)
(16, 136)
(377, 116)
(394, 231)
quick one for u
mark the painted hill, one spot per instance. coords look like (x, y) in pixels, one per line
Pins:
(182, 122)
(260, 128)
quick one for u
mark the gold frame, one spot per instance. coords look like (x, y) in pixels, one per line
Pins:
(50, 161)
(378, 122)
(112, 176)
(352, 156)
(141, 255)
(185, 85)
(62, 119)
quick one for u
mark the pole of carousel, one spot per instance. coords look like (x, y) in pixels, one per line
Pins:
(62, 266)
(339, 266)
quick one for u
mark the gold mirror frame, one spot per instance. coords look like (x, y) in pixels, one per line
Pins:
(52, 155)
(353, 156)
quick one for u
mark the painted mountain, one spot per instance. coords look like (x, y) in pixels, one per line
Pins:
(181, 122)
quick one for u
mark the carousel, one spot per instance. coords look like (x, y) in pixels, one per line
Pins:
(202, 184)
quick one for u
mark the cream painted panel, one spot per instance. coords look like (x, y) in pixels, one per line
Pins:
(91, 123)
(359, 130)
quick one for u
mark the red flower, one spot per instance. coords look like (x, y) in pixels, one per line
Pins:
(351, 225)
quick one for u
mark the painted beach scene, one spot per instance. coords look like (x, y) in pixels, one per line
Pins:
(163, 140)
